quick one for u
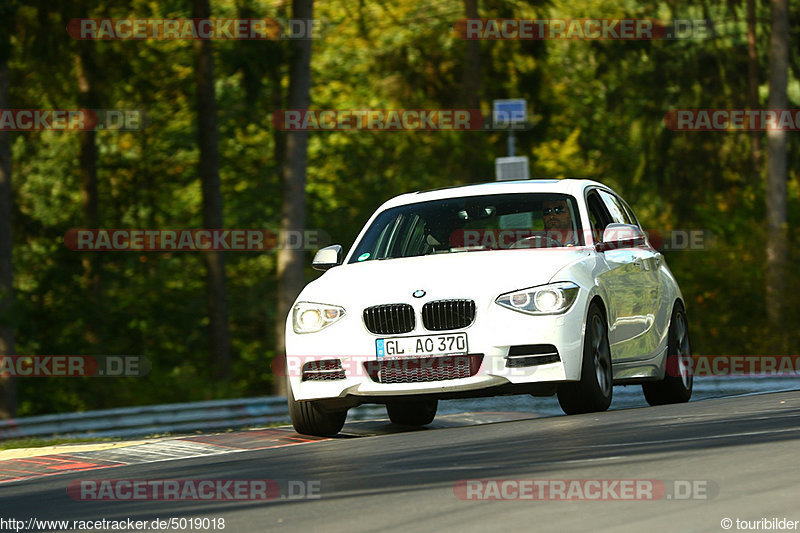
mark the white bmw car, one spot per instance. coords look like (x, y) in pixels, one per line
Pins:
(535, 287)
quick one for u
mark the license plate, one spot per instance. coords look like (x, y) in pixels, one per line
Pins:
(452, 344)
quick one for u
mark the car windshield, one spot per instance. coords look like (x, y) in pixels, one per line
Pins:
(472, 223)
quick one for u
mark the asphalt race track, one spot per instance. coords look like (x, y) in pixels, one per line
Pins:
(739, 455)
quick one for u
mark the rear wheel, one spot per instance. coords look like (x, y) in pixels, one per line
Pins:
(309, 419)
(412, 413)
(676, 387)
(593, 392)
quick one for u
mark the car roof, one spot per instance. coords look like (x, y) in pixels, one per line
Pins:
(573, 187)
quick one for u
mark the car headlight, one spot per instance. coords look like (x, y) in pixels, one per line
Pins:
(309, 317)
(552, 299)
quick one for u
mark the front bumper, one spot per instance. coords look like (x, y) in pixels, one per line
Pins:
(490, 337)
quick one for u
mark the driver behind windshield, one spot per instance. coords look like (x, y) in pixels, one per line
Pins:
(558, 221)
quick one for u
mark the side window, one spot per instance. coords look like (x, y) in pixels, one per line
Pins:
(615, 208)
(598, 215)
(630, 212)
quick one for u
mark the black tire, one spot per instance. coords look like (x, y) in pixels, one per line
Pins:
(594, 390)
(309, 419)
(412, 413)
(676, 387)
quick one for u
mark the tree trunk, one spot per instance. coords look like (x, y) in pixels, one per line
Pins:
(752, 88)
(277, 100)
(470, 97)
(87, 159)
(216, 289)
(293, 184)
(8, 393)
(276, 97)
(776, 175)
(471, 77)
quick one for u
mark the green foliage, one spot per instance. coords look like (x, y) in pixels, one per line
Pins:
(601, 103)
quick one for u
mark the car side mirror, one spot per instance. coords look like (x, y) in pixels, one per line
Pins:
(617, 236)
(327, 257)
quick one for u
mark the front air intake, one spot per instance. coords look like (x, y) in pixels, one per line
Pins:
(323, 370)
(423, 369)
(531, 355)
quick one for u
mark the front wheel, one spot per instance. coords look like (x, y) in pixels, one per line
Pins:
(309, 419)
(676, 387)
(593, 392)
(412, 413)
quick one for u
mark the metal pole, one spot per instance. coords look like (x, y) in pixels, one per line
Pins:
(511, 143)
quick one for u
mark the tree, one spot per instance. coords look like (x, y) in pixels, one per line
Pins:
(8, 396)
(776, 173)
(470, 96)
(208, 168)
(293, 183)
(752, 86)
(86, 71)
